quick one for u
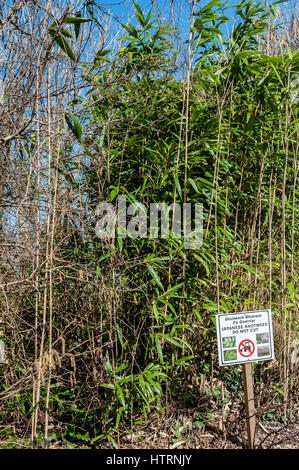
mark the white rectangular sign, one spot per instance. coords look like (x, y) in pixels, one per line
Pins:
(244, 337)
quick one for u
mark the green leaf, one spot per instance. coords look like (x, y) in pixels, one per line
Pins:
(178, 186)
(76, 20)
(74, 125)
(110, 386)
(120, 394)
(175, 341)
(171, 291)
(64, 32)
(155, 276)
(246, 266)
(159, 348)
(113, 194)
(193, 184)
(62, 43)
(118, 417)
(95, 439)
(183, 359)
(113, 441)
(156, 312)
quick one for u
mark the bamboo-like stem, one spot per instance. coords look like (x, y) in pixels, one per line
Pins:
(51, 254)
(36, 282)
(283, 255)
(187, 111)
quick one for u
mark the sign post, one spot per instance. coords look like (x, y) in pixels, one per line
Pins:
(2, 352)
(243, 338)
(249, 403)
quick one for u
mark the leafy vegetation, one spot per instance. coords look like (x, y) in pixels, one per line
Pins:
(103, 333)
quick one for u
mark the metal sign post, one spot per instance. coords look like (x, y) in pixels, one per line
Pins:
(243, 338)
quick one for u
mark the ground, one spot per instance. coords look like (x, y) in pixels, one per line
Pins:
(184, 432)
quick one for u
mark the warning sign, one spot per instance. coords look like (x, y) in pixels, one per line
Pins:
(244, 337)
(246, 348)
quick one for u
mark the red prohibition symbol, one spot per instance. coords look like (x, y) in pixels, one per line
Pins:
(246, 348)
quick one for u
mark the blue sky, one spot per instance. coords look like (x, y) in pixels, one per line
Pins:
(179, 10)
(124, 10)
